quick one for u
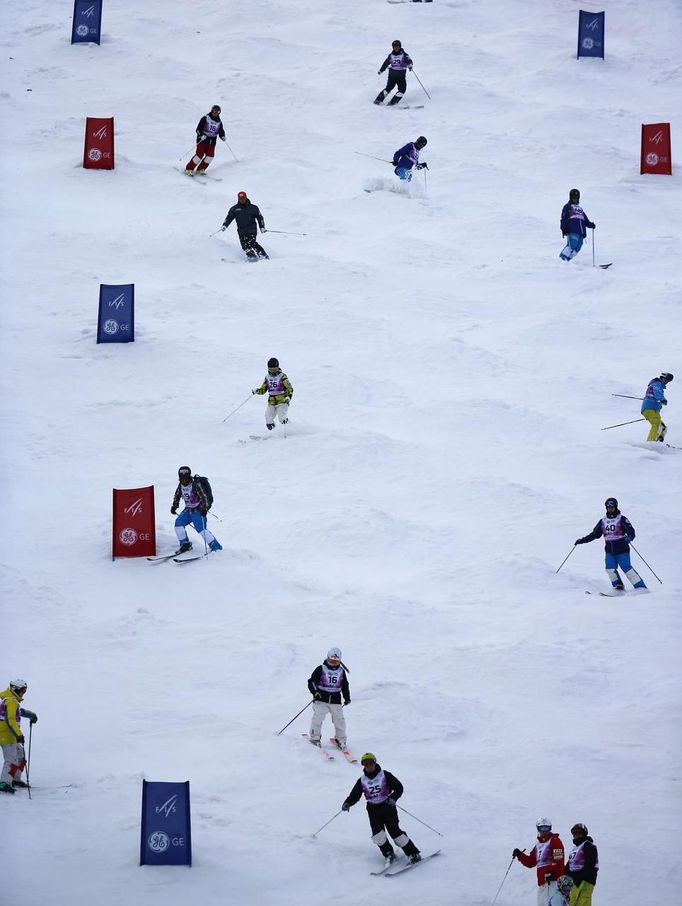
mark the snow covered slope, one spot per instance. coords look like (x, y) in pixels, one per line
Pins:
(451, 378)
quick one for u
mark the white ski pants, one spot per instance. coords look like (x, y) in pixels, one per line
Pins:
(14, 762)
(280, 410)
(545, 892)
(320, 711)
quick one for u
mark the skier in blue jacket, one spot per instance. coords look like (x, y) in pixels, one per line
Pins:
(617, 532)
(407, 158)
(654, 400)
(574, 222)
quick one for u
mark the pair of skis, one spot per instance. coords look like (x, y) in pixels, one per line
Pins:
(390, 871)
(328, 755)
(177, 559)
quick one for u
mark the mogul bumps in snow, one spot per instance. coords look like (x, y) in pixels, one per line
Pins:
(382, 790)
(654, 400)
(582, 866)
(617, 532)
(248, 218)
(328, 684)
(573, 226)
(210, 129)
(397, 62)
(197, 497)
(547, 856)
(11, 735)
(278, 387)
(407, 158)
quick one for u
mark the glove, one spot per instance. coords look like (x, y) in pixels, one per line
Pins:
(564, 233)
(223, 228)
(664, 402)
(379, 71)
(627, 539)
(317, 696)
(222, 138)
(203, 512)
(410, 68)
(579, 541)
(20, 739)
(287, 400)
(263, 230)
(345, 807)
(174, 511)
(516, 853)
(548, 877)
(390, 801)
(593, 226)
(422, 166)
(345, 704)
(33, 719)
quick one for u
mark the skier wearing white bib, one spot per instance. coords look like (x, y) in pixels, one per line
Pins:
(328, 684)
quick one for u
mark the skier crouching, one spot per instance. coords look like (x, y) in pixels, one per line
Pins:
(407, 158)
(382, 789)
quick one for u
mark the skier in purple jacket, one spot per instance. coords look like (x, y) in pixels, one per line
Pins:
(573, 225)
(407, 158)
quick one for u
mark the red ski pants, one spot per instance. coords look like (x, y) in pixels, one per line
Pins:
(202, 156)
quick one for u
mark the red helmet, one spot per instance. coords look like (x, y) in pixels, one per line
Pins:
(241, 197)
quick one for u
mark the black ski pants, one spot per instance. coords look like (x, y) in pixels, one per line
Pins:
(250, 246)
(396, 79)
(383, 818)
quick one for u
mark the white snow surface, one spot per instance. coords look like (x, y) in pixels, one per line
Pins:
(451, 378)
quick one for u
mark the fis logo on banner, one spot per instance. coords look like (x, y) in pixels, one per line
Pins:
(116, 318)
(87, 22)
(166, 837)
(656, 155)
(590, 34)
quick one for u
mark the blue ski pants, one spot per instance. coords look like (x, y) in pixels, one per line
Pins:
(574, 242)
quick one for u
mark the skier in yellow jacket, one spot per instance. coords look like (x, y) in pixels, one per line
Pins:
(278, 387)
(11, 736)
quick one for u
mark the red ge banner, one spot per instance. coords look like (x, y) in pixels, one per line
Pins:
(134, 523)
(656, 153)
(99, 143)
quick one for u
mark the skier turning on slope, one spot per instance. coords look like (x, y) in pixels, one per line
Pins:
(197, 505)
(12, 736)
(278, 387)
(573, 225)
(654, 400)
(328, 683)
(382, 790)
(547, 856)
(209, 129)
(397, 62)
(247, 216)
(617, 532)
(407, 157)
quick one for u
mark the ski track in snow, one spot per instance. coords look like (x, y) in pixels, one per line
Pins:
(451, 379)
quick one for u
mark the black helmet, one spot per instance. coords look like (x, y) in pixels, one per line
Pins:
(421, 142)
(574, 193)
(611, 503)
(667, 377)
(396, 43)
(578, 830)
(184, 472)
(273, 363)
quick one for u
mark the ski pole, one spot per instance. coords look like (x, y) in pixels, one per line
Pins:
(426, 188)
(419, 820)
(642, 559)
(291, 722)
(592, 248)
(28, 760)
(620, 424)
(185, 155)
(286, 233)
(232, 153)
(566, 558)
(204, 537)
(420, 82)
(372, 157)
(328, 822)
(210, 235)
(504, 879)
(215, 517)
(238, 407)
(626, 397)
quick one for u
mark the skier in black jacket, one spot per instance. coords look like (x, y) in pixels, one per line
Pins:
(397, 63)
(248, 218)
(617, 532)
(583, 863)
(382, 789)
(209, 129)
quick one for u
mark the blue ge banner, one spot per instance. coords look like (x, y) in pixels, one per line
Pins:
(591, 34)
(116, 318)
(166, 832)
(87, 21)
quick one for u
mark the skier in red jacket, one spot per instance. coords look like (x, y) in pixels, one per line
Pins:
(547, 856)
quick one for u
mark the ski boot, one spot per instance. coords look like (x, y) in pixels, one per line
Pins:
(269, 426)
(6, 788)
(215, 545)
(414, 858)
(20, 784)
(184, 547)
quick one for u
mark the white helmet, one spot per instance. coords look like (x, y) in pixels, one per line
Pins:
(18, 685)
(334, 654)
(544, 825)
(564, 884)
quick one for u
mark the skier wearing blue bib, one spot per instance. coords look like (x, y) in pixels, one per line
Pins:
(406, 159)
(617, 532)
(574, 223)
